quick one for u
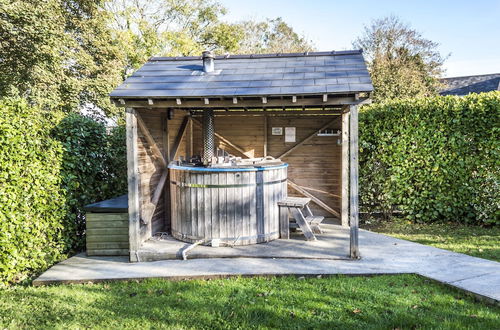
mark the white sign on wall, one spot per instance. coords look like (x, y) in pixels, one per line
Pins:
(289, 134)
(277, 130)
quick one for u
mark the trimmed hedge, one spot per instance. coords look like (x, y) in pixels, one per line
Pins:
(433, 159)
(50, 166)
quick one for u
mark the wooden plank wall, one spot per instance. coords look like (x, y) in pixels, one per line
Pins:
(107, 234)
(246, 132)
(150, 171)
(315, 164)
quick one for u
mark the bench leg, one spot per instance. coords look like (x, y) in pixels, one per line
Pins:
(316, 229)
(301, 220)
(284, 223)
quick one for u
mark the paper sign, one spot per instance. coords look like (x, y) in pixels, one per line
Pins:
(289, 134)
(277, 130)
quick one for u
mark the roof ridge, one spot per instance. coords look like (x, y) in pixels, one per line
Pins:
(256, 56)
(476, 75)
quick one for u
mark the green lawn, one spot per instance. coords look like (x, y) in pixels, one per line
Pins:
(387, 302)
(472, 240)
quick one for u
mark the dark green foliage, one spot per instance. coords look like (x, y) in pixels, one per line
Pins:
(60, 54)
(31, 215)
(434, 159)
(88, 170)
(51, 165)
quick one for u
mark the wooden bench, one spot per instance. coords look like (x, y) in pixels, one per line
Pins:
(308, 223)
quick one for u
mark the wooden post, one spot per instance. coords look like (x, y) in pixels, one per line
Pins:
(345, 170)
(166, 190)
(354, 198)
(190, 137)
(265, 135)
(133, 184)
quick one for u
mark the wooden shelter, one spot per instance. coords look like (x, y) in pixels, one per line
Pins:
(301, 108)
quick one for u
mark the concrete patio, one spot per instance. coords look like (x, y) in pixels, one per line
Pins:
(332, 243)
(380, 255)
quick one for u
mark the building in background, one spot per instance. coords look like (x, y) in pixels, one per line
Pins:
(471, 84)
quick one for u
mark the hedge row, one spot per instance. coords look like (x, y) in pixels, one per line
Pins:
(433, 159)
(50, 166)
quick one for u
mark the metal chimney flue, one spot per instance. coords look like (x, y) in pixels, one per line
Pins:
(208, 136)
(208, 61)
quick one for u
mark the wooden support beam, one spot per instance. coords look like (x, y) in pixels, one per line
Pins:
(166, 195)
(345, 170)
(316, 200)
(320, 191)
(151, 141)
(226, 141)
(309, 137)
(353, 176)
(249, 103)
(149, 213)
(179, 137)
(265, 135)
(269, 113)
(133, 183)
(191, 151)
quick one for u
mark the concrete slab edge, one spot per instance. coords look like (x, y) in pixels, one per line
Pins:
(478, 296)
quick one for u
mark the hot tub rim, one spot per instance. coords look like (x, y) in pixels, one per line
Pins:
(229, 169)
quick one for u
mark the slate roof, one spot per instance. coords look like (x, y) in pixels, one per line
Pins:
(471, 84)
(342, 72)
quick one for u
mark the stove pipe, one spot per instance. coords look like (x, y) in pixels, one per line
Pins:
(208, 136)
(208, 61)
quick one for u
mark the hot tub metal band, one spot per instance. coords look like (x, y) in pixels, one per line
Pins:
(198, 185)
(230, 239)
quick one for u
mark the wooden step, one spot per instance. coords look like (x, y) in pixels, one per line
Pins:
(315, 219)
(312, 220)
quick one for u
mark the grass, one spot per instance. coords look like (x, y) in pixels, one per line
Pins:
(476, 241)
(387, 302)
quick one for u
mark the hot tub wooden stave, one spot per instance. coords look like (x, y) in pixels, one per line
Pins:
(236, 205)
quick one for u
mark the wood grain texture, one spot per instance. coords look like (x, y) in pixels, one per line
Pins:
(153, 174)
(107, 234)
(345, 170)
(238, 208)
(353, 186)
(316, 165)
(134, 210)
(151, 141)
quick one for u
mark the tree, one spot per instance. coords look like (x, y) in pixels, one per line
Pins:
(69, 54)
(272, 36)
(402, 63)
(171, 28)
(58, 54)
(187, 27)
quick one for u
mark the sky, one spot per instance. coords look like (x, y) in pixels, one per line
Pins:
(467, 31)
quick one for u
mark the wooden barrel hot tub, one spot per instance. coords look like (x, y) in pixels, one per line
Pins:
(237, 205)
